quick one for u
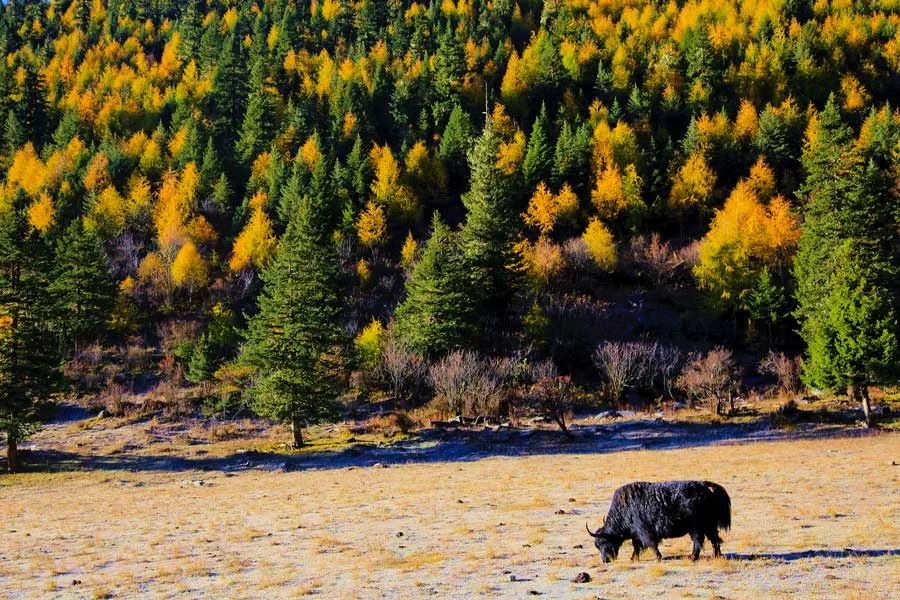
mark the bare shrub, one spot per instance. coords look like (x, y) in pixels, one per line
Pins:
(112, 399)
(86, 368)
(637, 364)
(174, 334)
(466, 384)
(784, 368)
(576, 255)
(137, 357)
(404, 370)
(551, 393)
(689, 255)
(664, 368)
(711, 378)
(621, 364)
(389, 424)
(654, 258)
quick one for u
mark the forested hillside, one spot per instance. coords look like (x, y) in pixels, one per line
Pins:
(284, 203)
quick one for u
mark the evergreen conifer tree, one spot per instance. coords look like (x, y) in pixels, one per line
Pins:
(29, 363)
(296, 340)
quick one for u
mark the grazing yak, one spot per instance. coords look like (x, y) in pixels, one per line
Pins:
(646, 513)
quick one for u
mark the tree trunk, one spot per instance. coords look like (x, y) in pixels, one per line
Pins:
(860, 393)
(866, 405)
(12, 453)
(296, 433)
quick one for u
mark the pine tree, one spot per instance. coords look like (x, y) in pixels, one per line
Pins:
(82, 285)
(438, 313)
(296, 340)
(455, 143)
(258, 127)
(847, 267)
(487, 237)
(572, 156)
(852, 339)
(28, 359)
(32, 106)
(538, 161)
(766, 302)
(200, 367)
(13, 134)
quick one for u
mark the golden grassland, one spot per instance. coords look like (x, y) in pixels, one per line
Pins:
(456, 530)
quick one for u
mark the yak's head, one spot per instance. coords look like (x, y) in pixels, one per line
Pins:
(607, 544)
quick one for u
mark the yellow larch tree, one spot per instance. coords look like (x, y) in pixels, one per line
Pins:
(371, 226)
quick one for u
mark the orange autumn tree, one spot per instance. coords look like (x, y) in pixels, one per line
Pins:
(746, 237)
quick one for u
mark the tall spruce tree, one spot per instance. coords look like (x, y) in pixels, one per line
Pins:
(455, 143)
(29, 361)
(82, 285)
(296, 340)
(847, 266)
(489, 231)
(538, 161)
(438, 314)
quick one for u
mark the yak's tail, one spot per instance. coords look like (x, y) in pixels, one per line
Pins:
(722, 504)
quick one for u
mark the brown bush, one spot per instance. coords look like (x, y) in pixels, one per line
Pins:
(404, 370)
(711, 378)
(86, 369)
(467, 384)
(389, 424)
(785, 369)
(173, 334)
(637, 364)
(112, 399)
(654, 259)
(551, 394)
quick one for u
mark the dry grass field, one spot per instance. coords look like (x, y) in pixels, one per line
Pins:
(812, 519)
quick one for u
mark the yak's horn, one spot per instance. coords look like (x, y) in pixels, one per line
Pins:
(589, 530)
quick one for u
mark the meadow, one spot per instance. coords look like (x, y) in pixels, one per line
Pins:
(811, 518)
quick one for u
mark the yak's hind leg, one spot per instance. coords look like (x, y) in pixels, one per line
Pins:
(636, 555)
(697, 538)
(716, 542)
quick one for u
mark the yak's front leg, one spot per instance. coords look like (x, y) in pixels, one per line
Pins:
(648, 541)
(636, 555)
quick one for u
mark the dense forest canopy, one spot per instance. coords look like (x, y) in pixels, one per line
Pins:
(477, 174)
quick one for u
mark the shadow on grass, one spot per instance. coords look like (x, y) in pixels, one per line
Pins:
(806, 554)
(433, 446)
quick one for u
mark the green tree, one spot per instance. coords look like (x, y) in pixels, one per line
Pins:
(437, 314)
(853, 336)
(82, 285)
(296, 340)
(455, 143)
(492, 221)
(847, 265)
(29, 363)
(538, 161)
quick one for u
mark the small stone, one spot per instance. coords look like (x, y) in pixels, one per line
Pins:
(577, 546)
(511, 577)
(571, 499)
(76, 582)
(581, 578)
(560, 512)
(534, 593)
(460, 501)
(399, 534)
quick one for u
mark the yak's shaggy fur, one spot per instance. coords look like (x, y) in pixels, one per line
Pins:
(646, 513)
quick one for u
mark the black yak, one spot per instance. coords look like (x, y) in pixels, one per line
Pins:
(646, 513)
